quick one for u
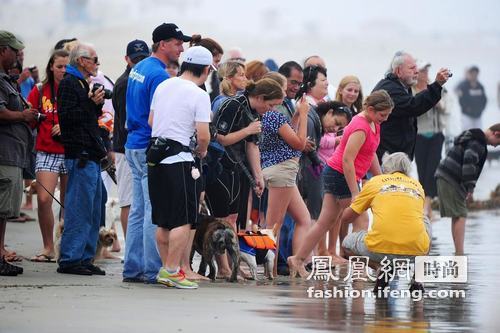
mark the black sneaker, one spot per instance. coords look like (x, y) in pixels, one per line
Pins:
(76, 270)
(95, 270)
(133, 280)
(17, 269)
(416, 286)
(7, 269)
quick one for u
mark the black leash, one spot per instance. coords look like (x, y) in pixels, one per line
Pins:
(53, 197)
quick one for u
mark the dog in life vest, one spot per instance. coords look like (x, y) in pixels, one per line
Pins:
(257, 248)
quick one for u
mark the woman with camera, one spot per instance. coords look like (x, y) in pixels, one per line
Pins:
(314, 89)
(50, 151)
(280, 149)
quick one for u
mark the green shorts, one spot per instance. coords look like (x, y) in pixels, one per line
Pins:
(451, 202)
(11, 191)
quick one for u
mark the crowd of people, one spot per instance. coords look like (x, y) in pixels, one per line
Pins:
(278, 141)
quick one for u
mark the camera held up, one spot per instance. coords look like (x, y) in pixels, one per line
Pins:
(108, 94)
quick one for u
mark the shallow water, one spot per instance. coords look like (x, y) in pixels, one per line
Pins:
(28, 302)
(475, 312)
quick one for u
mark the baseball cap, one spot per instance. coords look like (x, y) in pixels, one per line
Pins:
(473, 68)
(198, 55)
(167, 31)
(421, 64)
(137, 48)
(9, 39)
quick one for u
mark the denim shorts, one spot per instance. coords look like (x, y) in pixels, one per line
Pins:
(334, 183)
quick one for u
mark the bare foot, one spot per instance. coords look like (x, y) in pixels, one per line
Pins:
(27, 207)
(222, 274)
(245, 275)
(337, 260)
(12, 257)
(190, 275)
(296, 266)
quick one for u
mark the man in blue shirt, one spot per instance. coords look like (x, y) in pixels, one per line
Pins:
(142, 261)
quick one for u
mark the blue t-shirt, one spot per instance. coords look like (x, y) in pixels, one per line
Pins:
(273, 149)
(142, 82)
(26, 86)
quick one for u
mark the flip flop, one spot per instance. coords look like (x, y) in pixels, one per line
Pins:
(17, 219)
(27, 217)
(42, 258)
(12, 257)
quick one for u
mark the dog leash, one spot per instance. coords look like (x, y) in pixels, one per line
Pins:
(53, 197)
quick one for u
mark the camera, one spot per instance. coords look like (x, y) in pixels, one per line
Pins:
(56, 137)
(40, 117)
(108, 94)
(314, 158)
(213, 131)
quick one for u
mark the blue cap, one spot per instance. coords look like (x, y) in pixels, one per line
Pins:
(137, 48)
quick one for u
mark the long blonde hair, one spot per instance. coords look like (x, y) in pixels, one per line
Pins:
(358, 103)
(226, 71)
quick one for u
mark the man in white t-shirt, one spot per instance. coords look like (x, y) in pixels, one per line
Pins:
(179, 111)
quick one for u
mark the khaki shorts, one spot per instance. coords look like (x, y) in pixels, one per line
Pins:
(283, 174)
(451, 202)
(355, 242)
(11, 191)
(124, 180)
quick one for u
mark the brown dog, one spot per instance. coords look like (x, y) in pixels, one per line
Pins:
(213, 237)
(57, 242)
(107, 237)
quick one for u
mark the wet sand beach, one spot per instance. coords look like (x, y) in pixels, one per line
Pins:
(43, 301)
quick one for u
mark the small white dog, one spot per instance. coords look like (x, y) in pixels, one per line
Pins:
(253, 256)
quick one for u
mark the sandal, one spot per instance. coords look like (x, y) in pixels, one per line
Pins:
(12, 257)
(26, 217)
(19, 219)
(42, 257)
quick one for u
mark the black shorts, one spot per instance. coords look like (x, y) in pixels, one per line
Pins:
(223, 194)
(174, 195)
(334, 183)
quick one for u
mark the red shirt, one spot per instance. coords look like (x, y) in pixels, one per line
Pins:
(367, 151)
(44, 140)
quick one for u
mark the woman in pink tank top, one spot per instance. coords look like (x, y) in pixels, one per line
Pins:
(355, 155)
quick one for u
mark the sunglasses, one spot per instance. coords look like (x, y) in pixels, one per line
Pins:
(238, 59)
(345, 109)
(295, 82)
(94, 59)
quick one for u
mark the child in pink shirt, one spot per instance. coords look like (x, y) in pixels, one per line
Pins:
(350, 162)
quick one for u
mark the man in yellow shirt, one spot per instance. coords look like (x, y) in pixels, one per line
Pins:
(400, 229)
(397, 202)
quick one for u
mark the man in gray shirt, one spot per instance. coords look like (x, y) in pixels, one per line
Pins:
(17, 142)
